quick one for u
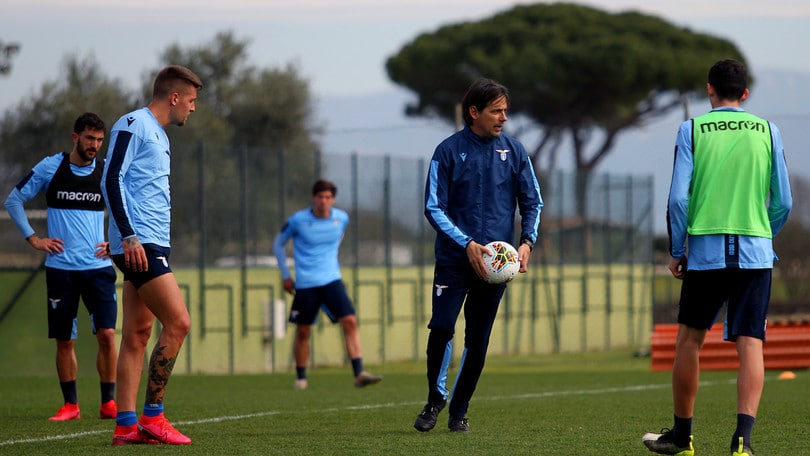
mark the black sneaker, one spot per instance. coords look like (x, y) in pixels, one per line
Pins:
(428, 416)
(664, 443)
(458, 424)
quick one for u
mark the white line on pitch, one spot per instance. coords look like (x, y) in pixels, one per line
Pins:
(220, 419)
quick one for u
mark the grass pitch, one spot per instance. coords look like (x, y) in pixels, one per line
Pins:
(571, 404)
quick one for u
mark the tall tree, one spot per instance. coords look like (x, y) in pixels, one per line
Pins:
(579, 75)
(250, 122)
(256, 107)
(41, 123)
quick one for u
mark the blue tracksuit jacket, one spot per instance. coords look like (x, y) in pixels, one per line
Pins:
(473, 187)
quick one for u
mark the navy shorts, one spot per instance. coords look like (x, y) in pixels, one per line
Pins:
(95, 287)
(331, 297)
(746, 293)
(157, 257)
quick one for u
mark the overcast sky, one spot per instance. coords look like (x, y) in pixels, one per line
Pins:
(340, 46)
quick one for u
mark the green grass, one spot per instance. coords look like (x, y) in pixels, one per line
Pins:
(573, 404)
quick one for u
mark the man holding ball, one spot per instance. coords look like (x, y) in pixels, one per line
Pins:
(476, 180)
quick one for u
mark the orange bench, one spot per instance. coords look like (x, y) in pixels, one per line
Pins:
(787, 346)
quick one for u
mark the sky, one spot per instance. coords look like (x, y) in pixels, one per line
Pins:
(340, 48)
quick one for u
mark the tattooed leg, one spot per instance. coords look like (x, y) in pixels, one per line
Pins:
(161, 365)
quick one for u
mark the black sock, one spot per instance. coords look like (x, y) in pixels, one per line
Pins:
(745, 423)
(69, 392)
(357, 366)
(301, 372)
(681, 431)
(107, 391)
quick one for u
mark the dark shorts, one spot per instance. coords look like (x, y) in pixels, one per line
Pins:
(158, 259)
(746, 293)
(454, 286)
(331, 297)
(95, 287)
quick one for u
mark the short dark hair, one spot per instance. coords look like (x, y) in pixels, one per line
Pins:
(88, 120)
(169, 78)
(324, 186)
(729, 79)
(480, 94)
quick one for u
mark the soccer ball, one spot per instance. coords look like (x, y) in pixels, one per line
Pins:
(502, 263)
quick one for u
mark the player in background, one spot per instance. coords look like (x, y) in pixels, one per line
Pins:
(77, 262)
(136, 187)
(730, 195)
(476, 179)
(316, 233)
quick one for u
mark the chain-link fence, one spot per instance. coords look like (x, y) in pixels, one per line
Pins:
(589, 284)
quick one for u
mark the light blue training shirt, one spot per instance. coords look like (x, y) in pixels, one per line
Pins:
(136, 181)
(316, 242)
(719, 251)
(79, 229)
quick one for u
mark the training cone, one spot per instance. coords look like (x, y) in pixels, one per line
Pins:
(787, 375)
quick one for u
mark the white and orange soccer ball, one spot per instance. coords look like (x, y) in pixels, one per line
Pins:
(502, 263)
